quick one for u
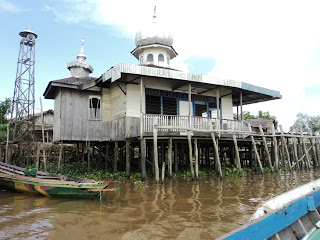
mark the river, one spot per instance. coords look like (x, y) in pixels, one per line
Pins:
(177, 209)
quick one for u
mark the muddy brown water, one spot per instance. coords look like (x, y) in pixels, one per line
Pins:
(178, 209)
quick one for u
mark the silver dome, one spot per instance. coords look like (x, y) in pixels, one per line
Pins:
(153, 33)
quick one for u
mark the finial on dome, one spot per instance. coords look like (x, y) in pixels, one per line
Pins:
(81, 56)
(154, 14)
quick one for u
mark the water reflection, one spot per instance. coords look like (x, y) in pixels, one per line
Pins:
(178, 209)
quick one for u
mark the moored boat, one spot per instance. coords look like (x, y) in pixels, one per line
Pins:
(291, 215)
(48, 184)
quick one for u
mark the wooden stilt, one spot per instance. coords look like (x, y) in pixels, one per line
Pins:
(78, 152)
(9, 153)
(295, 151)
(43, 139)
(60, 157)
(317, 150)
(313, 152)
(196, 158)
(1, 153)
(216, 152)
(155, 150)
(176, 157)
(256, 153)
(7, 158)
(127, 159)
(82, 155)
(151, 157)
(284, 142)
(38, 156)
(99, 153)
(88, 156)
(163, 171)
(170, 158)
(190, 156)
(308, 163)
(107, 156)
(116, 156)
(216, 156)
(143, 158)
(266, 149)
(275, 148)
(237, 152)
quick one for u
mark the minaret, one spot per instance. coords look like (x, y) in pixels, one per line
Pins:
(23, 97)
(154, 45)
(80, 68)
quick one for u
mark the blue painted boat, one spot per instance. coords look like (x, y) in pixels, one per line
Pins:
(291, 215)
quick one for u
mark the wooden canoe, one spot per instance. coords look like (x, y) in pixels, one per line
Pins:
(50, 185)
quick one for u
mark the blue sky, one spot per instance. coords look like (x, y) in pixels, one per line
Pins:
(273, 44)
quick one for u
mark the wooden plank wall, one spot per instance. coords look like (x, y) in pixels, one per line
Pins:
(57, 116)
(133, 101)
(118, 101)
(75, 125)
(106, 104)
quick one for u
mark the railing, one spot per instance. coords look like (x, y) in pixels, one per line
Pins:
(197, 123)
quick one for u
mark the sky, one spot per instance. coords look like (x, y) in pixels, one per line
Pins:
(273, 44)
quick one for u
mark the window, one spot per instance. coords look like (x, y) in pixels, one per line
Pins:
(201, 109)
(169, 106)
(213, 109)
(150, 58)
(160, 58)
(94, 108)
(153, 104)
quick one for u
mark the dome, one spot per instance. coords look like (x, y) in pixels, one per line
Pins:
(154, 33)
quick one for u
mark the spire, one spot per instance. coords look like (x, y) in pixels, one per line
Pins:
(81, 56)
(154, 14)
(80, 68)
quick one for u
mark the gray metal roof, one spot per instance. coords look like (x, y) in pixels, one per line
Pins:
(200, 83)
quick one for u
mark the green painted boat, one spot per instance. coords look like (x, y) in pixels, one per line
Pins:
(50, 185)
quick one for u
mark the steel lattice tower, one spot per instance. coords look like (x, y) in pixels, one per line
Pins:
(23, 102)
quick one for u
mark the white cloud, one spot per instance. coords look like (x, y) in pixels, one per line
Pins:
(9, 7)
(274, 44)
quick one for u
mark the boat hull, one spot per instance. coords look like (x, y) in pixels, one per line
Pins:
(51, 188)
(290, 220)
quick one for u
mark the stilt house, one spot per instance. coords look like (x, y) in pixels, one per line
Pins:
(128, 103)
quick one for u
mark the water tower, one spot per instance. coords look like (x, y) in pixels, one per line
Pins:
(23, 102)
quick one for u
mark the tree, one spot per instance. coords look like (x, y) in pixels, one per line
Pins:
(262, 115)
(307, 123)
(248, 115)
(4, 110)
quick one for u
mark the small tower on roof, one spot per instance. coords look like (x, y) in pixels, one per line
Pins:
(154, 45)
(80, 68)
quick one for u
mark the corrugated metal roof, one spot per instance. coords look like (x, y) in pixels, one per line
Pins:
(115, 74)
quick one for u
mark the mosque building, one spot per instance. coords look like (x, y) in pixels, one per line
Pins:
(150, 106)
